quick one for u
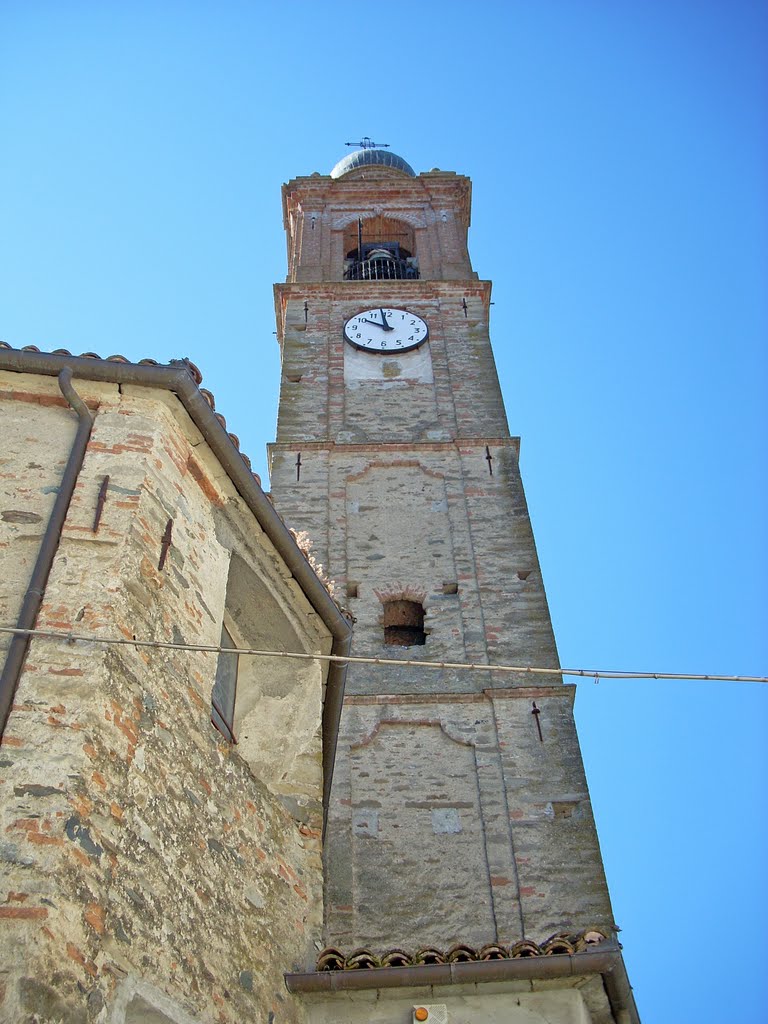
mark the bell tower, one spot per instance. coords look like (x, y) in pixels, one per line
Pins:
(460, 808)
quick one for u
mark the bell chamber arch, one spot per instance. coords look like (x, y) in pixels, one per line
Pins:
(380, 248)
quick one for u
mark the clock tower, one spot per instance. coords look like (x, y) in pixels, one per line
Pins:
(460, 812)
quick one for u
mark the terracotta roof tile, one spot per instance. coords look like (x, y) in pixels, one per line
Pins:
(394, 958)
(558, 944)
(332, 959)
(493, 951)
(430, 955)
(461, 954)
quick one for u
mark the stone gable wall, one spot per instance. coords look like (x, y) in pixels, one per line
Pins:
(139, 851)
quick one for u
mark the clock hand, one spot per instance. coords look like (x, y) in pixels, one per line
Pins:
(375, 323)
(384, 324)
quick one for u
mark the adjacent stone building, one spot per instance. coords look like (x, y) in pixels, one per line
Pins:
(153, 870)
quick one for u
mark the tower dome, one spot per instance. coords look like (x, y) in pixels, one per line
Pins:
(371, 156)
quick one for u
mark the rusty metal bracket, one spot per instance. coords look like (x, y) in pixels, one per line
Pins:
(536, 712)
(100, 503)
(166, 543)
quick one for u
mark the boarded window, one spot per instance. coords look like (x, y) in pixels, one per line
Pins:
(404, 623)
(225, 689)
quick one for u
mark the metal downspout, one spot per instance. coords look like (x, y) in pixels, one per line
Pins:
(17, 651)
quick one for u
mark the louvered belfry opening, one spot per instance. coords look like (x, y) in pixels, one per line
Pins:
(404, 623)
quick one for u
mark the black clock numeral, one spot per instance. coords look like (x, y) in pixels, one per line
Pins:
(413, 323)
(411, 338)
(358, 335)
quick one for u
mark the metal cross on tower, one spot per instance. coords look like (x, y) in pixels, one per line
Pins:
(367, 143)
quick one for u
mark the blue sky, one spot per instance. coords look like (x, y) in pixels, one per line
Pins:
(618, 158)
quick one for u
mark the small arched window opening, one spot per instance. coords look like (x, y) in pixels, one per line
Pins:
(404, 623)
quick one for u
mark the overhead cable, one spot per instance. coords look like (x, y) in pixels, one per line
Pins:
(585, 673)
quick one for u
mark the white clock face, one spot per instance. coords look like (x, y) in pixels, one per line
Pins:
(385, 330)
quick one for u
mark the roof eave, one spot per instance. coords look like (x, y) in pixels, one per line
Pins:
(606, 961)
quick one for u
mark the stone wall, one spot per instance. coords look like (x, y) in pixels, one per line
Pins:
(32, 462)
(454, 822)
(149, 866)
(428, 519)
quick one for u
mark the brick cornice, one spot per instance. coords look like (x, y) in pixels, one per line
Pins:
(398, 446)
(353, 291)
